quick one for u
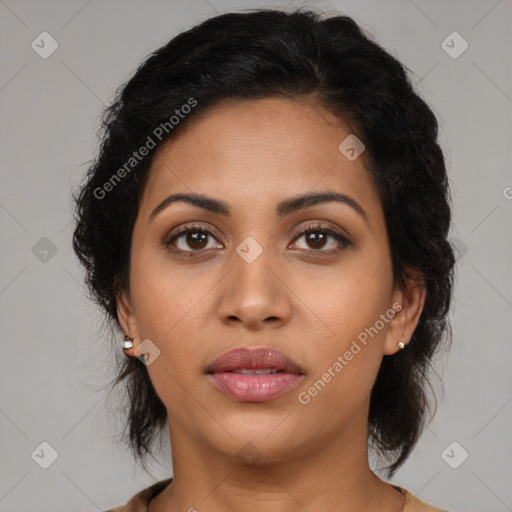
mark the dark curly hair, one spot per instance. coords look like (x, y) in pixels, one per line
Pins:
(330, 62)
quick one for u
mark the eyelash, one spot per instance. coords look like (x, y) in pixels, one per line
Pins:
(311, 229)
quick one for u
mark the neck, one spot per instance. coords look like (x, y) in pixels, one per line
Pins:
(331, 475)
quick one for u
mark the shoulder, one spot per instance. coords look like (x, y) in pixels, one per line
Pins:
(413, 504)
(140, 502)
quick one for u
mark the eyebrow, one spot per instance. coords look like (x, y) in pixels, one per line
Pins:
(286, 207)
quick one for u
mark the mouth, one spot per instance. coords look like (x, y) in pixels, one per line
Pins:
(257, 361)
(254, 374)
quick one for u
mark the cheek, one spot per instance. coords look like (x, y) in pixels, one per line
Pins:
(170, 320)
(165, 293)
(167, 313)
(349, 304)
(349, 298)
(346, 362)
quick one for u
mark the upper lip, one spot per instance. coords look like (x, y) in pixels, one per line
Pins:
(253, 359)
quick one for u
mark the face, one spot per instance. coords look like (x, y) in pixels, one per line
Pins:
(246, 276)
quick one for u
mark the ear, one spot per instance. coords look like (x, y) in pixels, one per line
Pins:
(408, 302)
(127, 318)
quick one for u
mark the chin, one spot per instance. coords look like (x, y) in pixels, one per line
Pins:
(254, 439)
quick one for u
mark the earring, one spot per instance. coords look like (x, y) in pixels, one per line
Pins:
(401, 344)
(127, 342)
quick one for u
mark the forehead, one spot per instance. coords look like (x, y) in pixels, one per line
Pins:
(266, 149)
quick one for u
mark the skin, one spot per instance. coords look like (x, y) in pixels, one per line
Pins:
(252, 155)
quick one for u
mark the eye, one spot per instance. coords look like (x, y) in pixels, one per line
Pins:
(195, 237)
(317, 237)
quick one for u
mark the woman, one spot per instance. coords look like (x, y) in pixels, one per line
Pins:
(267, 222)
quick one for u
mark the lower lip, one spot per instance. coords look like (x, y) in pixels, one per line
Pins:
(255, 388)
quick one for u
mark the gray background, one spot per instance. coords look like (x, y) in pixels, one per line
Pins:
(54, 359)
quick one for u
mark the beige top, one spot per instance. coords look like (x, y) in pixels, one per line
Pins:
(140, 502)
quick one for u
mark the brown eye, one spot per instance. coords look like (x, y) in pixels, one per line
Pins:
(317, 238)
(189, 239)
(196, 239)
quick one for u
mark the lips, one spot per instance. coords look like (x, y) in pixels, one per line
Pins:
(256, 360)
(254, 374)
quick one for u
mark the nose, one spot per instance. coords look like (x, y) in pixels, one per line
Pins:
(255, 294)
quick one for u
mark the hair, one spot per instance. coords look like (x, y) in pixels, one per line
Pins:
(305, 56)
